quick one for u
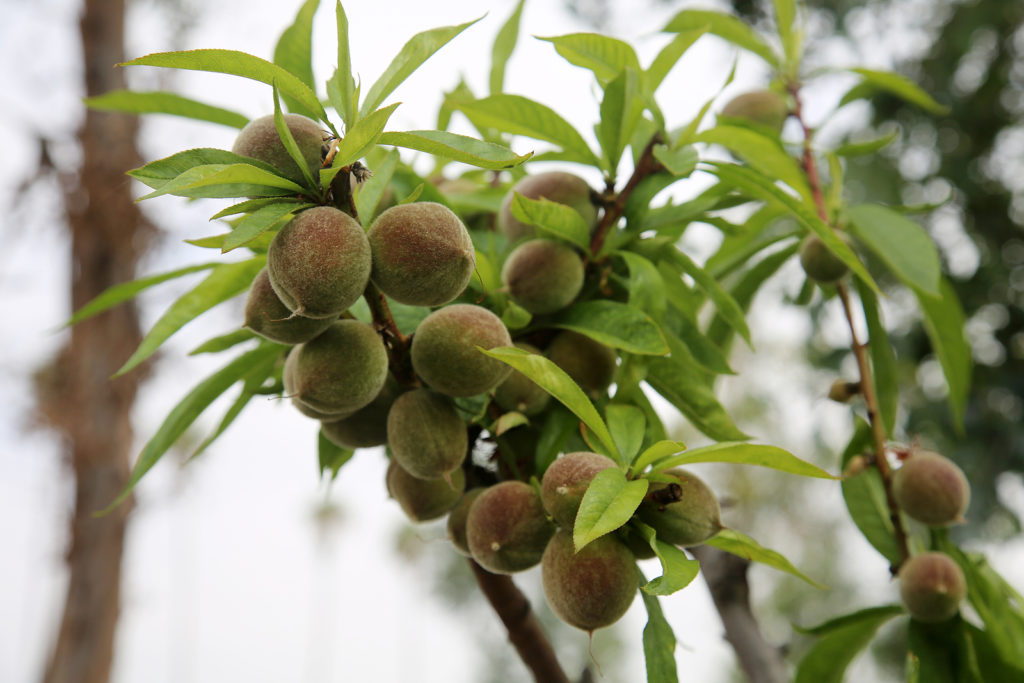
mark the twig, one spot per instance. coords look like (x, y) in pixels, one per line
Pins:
(524, 631)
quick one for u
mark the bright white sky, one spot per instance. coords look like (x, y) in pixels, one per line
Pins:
(228, 577)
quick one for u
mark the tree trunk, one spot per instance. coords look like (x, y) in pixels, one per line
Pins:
(76, 395)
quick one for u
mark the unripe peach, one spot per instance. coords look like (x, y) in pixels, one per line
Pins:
(931, 489)
(932, 587)
(288, 377)
(367, 426)
(764, 107)
(542, 275)
(507, 529)
(426, 435)
(520, 393)
(424, 499)
(589, 363)
(268, 317)
(818, 261)
(445, 355)
(457, 520)
(566, 481)
(591, 588)
(422, 254)
(684, 513)
(259, 140)
(556, 186)
(319, 263)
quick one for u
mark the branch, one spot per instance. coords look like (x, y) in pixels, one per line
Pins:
(524, 630)
(726, 576)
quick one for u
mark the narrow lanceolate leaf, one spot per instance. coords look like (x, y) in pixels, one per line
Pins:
(902, 87)
(727, 307)
(521, 116)
(760, 151)
(553, 380)
(158, 102)
(226, 180)
(620, 111)
(125, 291)
(789, 31)
(841, 641)
(685, 389)
(223, 342)
(864, 495)
(669, 56)
(657, 451)
(883, 358)
(743, 292)
(609, 502)
(680, 162)
(292, 147)
(360, 138)
(330, 456)
(757, 185)
(189, 408)
(456, 147)
(627, 425)
(238, 64)
(224, 282)
(614, 324)
(900, 243)
(944, 323)
(678, 570)
(557, 220)
(369, 194)
(724, 26)
(413, 54)
(294, 53)
(341, 89)
(605, 56)
(746, 454)
(259, 221)
(865, 147)
(659, 643)
(504, 43)
(646, 290)
(744, 546)
(157, 173)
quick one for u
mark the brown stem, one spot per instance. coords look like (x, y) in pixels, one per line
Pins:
(396, 343)
(524, 631)
(647, 165)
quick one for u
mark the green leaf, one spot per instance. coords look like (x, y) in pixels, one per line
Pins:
(944, 323)
(883, 358)
(703, 350)
(457, 148)
(646, 290)
(902, 87)
(223, 342)
(226, 180)
(606, 57)
(292, 147)
(609, 502)
(124, 291)
(657, 451)
(341, 89)
(659, 643)
(504, 43)
(678, 570)
(865, 499)
(294, 53)
(727, 306)
(669, 56)
(554, 435)
(859, 617)
(900, 243)
(224, 282)
(761, 152)
(943, 653)
(157, 173)
(613, 324)
(724, 26)
(789, 32)
(557, 220)
(413, 54)
(620, 111)
(553, 380)
(746, 454)
(158, 102)
(189, 408)
(680, 162)
(828, 660)
(866, 147)
(259, 221)
(360, 138)
(744, 546)
(518, 115)
(250, 205)
(331, 456)
(688, 392)
(369, 194)
(627, 425)
(239, 64)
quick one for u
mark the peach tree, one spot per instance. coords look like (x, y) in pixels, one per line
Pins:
(500, 326)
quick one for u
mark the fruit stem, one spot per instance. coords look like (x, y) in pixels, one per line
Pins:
(613, 209)
(524, 631)
(867, 383)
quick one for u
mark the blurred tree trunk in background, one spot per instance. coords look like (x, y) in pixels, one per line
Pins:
(77, 396)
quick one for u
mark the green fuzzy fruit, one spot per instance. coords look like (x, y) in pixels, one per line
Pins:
(259, 140)
(932, 587)
(422, 254)
(319, 263)
(555, 186)
(818, 261)
(931, 489)
(589, 363)
(542, 275)
(520, 393)
(567, 479)
(368, 426)
(424, 499)
(682, 514)
(507, 529)
(338, 372)
(457, 520)
(445, 355)
(426, 434)
(763, 107)
(288, 376)
(269, 318)
(591, 588)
